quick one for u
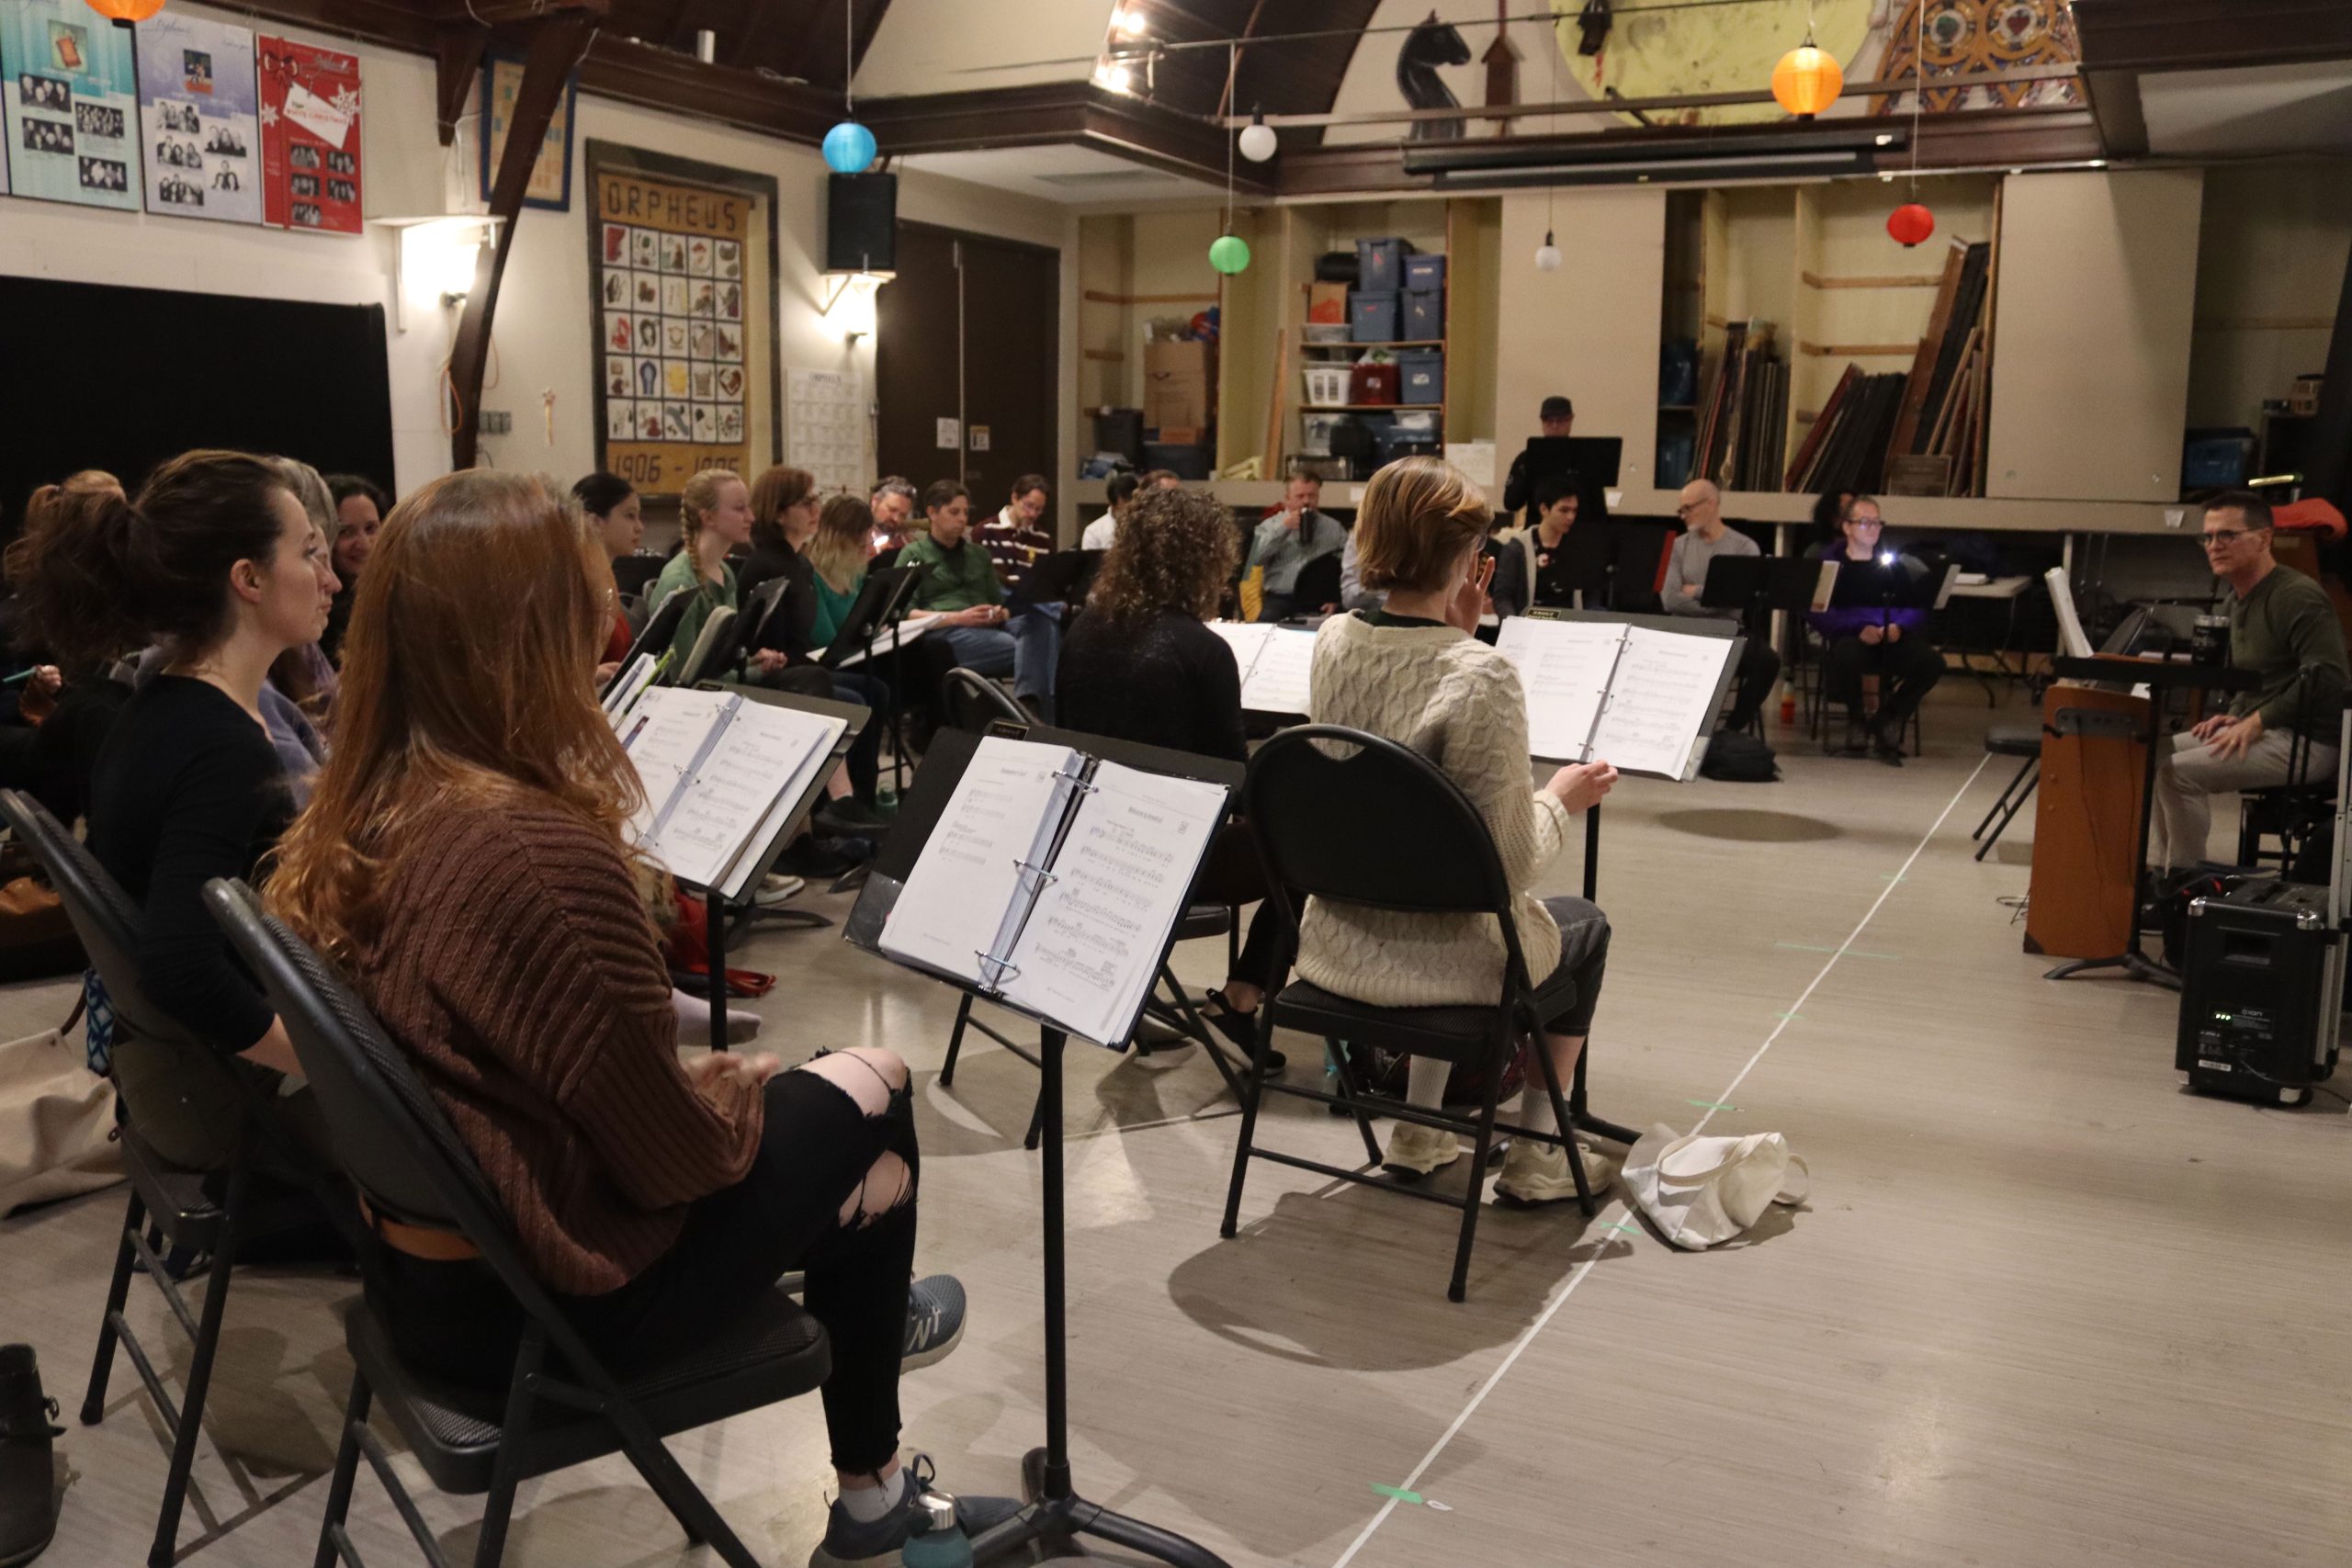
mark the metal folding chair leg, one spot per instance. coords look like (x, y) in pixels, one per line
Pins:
(94, 1401)
(2032, 766)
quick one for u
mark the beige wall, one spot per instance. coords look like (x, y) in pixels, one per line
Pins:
(1590, 330)
(2271, 254)
(542, 338)
(2092, 311)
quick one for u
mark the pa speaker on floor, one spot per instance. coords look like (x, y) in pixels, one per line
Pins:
(862, 223)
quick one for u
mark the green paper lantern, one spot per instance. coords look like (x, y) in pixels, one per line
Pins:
(1229, 254)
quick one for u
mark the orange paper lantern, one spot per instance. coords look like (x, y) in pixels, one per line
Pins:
(1807, 80)
(125, 10)
(1910, 224)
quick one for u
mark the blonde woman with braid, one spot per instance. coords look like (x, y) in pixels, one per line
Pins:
(715, 513)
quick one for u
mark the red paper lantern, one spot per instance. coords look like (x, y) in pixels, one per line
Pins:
(1910, 224)
(125, 10)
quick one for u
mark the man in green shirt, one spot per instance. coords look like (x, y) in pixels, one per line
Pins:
(2283, 628)
(963, 591)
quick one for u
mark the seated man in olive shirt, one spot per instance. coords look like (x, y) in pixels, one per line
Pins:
(2284, 629)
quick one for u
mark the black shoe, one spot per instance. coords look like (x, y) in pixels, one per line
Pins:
(1886, 742)
(811, 857)
(1240, 1027)
(834, 822)
(27, 1476)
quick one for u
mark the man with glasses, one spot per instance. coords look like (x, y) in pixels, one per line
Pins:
(2284, 630)
(1706, 536)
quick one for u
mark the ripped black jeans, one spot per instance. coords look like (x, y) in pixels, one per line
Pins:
(816, 1151)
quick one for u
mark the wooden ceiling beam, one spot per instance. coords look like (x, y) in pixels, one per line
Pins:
(2199, 35)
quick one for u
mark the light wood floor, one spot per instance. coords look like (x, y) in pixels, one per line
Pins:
(2043, 1308)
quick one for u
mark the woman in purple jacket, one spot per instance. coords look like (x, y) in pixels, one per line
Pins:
(1875, 626)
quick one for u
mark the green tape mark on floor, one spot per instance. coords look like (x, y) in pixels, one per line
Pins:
(1711, 1104)
(1790, 1016)
(1398, 1493)
(1629, 1230)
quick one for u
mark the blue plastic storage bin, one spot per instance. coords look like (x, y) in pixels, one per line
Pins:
(1425, 272)
(1372, 317)
(1379, 266)
(1424, 316)
(1420, 375)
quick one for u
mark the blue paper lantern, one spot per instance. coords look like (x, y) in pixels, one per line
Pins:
(849, 148)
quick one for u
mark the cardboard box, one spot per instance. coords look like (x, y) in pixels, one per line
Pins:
(1327, 302)
(1178, 383)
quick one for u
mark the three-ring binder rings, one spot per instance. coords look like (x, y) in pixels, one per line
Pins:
(1053, 881)
(1628, 691)
(721, 775)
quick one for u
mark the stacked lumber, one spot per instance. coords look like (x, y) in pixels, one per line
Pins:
(1744, 413)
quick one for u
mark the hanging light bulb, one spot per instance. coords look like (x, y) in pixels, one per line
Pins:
(1229, 254)
(1114, 77)
(1128, 21)
(1257, 138)
(1548, 255)
(1807, 80)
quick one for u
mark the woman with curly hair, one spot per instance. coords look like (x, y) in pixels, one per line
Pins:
(1139, 665)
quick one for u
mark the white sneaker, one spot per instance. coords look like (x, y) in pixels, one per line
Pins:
(776, 889)
(1414, 1151)
(1536, 1173)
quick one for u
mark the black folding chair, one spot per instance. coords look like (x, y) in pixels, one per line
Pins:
(713, 647)
(2022, 741)
(1350, 816)
(654, 638)
(563, 1406)
(173, 1210)
(635, 573)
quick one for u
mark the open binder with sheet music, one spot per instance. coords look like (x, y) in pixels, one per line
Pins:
(725, 774)
(1274, 662)
(1052, 882)
(1639, 693)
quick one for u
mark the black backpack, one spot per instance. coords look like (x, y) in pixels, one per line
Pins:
(1737, 756)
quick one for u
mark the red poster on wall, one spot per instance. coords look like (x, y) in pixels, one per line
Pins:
(310, 136)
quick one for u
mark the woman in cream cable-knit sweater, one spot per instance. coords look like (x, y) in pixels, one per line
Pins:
(1413, 673)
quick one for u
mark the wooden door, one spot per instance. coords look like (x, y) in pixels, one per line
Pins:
(968, 331)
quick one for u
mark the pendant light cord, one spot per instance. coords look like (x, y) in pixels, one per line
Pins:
(849, 58)
(1918, 91)
(1232, 69)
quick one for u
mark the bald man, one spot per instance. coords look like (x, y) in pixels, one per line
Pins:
(1706, 536)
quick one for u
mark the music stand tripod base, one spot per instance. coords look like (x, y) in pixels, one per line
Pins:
(1056, 1513)
(2135, 966)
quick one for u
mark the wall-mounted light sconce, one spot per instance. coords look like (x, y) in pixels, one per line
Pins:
(858, 290)
(435, 259)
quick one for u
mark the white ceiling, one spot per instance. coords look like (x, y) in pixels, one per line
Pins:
(2242, 110)
(1065, 174)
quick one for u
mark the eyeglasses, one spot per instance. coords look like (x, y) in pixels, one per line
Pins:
(2223, 537)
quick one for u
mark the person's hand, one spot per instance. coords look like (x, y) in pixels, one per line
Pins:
(1894, 631)
(47, 681)
(2236, 737)
(1580, 786)
(1469, 601)
(603, 673)
(765, 659)
(720, 1067)
(1873, 635)
(1290, 520)
(2210, 726)
(1691, 590)
(977, 615)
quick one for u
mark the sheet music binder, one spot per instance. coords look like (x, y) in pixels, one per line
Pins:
(734, 876)
(1698, 629)
(1098, 970)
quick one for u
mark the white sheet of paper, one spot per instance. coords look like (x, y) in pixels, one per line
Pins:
(628, 687)
(663, 736)
(1246, 638)
(1278, 681)
(1090, 948)
(1825, 586)
(908, 631)
(1564, 667)
(2073, 641)
(954, 904)
(752, 774)
(1662, 701)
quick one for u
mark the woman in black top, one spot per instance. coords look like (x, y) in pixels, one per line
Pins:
(218, 561)
(1140, 665)
(780, 647)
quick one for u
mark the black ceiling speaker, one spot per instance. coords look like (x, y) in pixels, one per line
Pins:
(862, 223)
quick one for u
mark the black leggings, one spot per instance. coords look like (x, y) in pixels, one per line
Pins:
(454, 1320)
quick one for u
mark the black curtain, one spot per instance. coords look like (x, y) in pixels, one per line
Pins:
(95, 376)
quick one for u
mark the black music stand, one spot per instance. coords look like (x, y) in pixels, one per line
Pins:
(880, 607)
(1061, 578)
(1595, 460)
(2159, 676)
(714, 900)
(1055, 1512)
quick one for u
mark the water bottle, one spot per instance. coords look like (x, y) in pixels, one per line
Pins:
(938, 1540)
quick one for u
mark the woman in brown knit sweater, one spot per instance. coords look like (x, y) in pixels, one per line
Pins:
(464, 859)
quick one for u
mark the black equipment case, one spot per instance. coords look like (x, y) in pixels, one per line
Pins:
(2261, 994)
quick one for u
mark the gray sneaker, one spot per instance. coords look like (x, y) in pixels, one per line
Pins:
(934, 1321)
(851, 1544)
